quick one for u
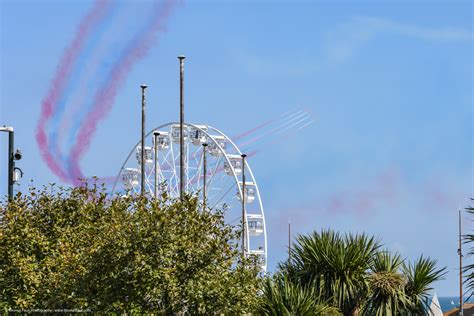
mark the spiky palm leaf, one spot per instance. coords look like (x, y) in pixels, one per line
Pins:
(281, 296)
(420, 277)
(387, 286)
(336, 266)
(469, 269)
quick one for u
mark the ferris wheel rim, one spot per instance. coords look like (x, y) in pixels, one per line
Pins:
(256, 187)
(224, 154)
(226, 157)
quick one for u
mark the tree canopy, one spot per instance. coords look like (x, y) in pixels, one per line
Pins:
(78, 248)
(351, 274)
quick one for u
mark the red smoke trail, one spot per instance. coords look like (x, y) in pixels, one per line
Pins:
(104, 99)
(90, 74)
(285, 124)
(279, 140)
(57, 85)
(283, 120)
(381, 191)
(290, 123)
(252, 130)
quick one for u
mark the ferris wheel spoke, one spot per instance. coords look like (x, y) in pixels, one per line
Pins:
(173, 184)
(149, 185)
(223, 196)
(167, 168)
(193, 175)
(160, 177)
(222, 181)
(224, 193)
(186, 163)
(199, 174)
(195, 180)
(149, 173)
(217, 180)
(234, 220)
(214, 171)
(199, 163)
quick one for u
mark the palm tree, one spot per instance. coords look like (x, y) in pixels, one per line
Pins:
(351, 273)
(469, 238)
(420, 276)
(336, 266)
(281, 296)
(387, 286)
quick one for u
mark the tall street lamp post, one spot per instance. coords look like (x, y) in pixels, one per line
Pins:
(181, 126)
(11, 158)
(142, 153)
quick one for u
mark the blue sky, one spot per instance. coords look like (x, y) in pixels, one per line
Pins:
(390, 84)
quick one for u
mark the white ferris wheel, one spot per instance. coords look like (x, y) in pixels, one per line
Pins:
(214, 170)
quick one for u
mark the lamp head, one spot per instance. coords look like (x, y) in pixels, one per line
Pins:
(18, 155)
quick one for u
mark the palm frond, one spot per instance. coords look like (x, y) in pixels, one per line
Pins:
(421, 275)
(387, 286)
(335, 265)
(281, 296)
(469, 269)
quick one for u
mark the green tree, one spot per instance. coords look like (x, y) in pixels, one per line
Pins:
(420, 276)
(80, 248)
(336, 266)
(353, 274)
(387, 286)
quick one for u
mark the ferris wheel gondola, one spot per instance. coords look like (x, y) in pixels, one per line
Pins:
(223, 182)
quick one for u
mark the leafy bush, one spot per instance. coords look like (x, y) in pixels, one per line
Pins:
(78, 248)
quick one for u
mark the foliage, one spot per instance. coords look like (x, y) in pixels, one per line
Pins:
(78, 248)
(469, 238)
(420, 275)
(353, 274)
(336, 266)
(387, 285)
(282, 296)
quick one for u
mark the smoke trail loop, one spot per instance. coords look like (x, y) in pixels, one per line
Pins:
(88, 53)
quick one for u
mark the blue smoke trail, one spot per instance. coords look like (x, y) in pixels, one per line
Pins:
(76, 76)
